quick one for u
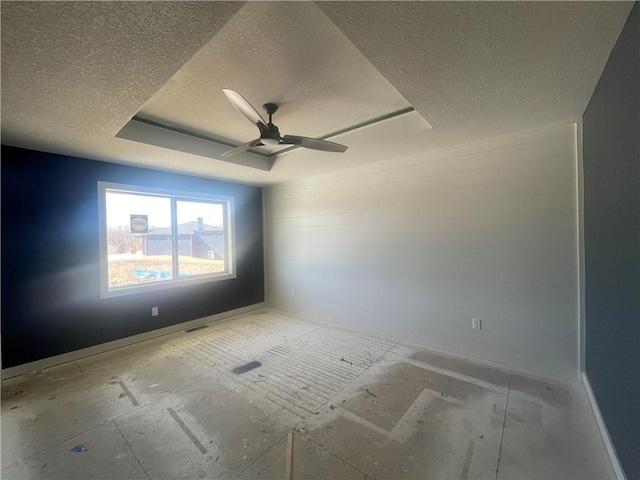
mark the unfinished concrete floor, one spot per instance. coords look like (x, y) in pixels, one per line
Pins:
(189, 405)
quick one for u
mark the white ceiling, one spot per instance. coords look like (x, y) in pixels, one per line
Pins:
(286, 53)
(75, 73)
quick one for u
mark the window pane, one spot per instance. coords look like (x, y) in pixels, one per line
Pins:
(154, 239)
(138, 258)
(201, 238)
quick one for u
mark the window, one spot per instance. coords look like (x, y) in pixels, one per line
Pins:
(153, 239)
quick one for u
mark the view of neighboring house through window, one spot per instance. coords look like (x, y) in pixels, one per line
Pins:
(153, 238)
(201, 248)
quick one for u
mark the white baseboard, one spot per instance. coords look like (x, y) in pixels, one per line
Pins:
(613, 456)
(123, 342)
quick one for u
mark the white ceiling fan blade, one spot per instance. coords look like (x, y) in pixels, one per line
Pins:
(242, 148)
(244, 107)
(313, 143)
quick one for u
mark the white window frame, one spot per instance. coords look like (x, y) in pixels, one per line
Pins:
(175, 196)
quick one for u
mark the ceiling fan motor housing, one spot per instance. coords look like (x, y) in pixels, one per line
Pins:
(269, 133)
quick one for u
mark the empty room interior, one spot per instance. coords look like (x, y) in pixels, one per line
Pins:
(308, 240)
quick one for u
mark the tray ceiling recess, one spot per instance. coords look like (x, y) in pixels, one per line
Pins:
(75, 73)
(286, 53)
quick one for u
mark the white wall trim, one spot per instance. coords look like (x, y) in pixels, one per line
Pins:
(123, 342)
(613, 456)
(582, 332)
(265, 266)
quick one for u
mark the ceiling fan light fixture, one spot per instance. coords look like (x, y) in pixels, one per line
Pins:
(269, 133)
(272, 142)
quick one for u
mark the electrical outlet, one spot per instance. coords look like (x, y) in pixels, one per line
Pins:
(294, 293)
(476, 324)
(154, 311)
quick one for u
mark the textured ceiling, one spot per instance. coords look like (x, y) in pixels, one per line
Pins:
(475, 69)
(286, 53)
(71, 67)
(75, 73)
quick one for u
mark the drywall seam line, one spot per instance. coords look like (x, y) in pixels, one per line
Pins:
(128, 393)
(343, 460)
(187, 430)
(504, 422)
(456, 375)
(287, 474)
(467, 461)
(131, 450)
(263, 454)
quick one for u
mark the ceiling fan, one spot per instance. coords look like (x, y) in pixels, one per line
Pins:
(269, 133)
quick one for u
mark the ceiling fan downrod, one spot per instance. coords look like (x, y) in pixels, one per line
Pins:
(270, 108)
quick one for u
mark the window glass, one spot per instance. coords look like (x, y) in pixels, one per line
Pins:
(135, 258)
(201, 238)
(152, 238)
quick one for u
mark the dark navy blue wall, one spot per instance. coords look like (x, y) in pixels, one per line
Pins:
(50, 275)
(611, 128)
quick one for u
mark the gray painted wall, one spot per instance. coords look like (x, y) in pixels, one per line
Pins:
(611, 166)
(414, 248)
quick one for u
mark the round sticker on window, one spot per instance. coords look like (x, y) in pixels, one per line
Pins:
(139, 224)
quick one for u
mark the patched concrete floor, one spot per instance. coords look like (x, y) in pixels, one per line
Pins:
(358, 407)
